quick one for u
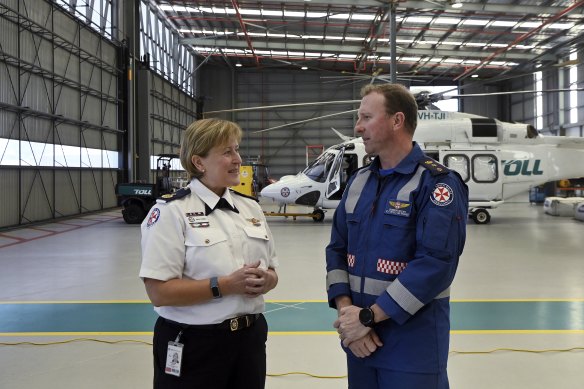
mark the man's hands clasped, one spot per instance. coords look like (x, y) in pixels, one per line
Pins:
(361, 340)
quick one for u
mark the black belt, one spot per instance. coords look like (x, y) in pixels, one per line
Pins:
(233, 324)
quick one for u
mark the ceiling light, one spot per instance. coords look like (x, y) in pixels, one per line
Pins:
(456, 4)
(474, 76)
(304, 68)
(238, 64)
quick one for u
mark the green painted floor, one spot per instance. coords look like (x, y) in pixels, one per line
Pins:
(22, 318)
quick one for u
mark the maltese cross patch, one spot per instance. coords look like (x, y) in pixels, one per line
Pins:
(442, 195)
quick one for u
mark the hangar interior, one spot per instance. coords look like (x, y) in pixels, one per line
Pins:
(92, 91)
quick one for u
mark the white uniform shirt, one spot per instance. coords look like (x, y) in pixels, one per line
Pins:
(178, 241)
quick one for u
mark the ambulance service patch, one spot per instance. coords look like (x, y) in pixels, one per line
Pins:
(153, 218)
(442, 195)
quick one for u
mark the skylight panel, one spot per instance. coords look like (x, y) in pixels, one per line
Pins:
(561, 26)
(503, 23)
(249, 11)
(443, 20)
(354, 16)
(267, 12)
(418, 19)
(451, 43)
(475, 22)
(294, 14)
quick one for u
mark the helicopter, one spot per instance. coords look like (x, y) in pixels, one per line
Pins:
(497, 160)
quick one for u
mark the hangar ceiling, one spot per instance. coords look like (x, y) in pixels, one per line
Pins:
(433, 39)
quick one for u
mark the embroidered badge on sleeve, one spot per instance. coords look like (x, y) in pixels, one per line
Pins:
(153, 217)
(442, 195)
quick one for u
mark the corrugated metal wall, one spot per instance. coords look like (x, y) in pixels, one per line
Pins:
(58, 87)
(170, 112)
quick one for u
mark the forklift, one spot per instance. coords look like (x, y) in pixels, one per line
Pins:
(136, 198)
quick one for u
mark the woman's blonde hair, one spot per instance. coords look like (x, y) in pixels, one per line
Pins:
(201, 136)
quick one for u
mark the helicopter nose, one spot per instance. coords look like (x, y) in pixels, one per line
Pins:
(275, 191)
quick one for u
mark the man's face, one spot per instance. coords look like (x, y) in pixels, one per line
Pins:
(374, 125)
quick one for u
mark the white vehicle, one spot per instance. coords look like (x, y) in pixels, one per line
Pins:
(579, 212)
(497, 160)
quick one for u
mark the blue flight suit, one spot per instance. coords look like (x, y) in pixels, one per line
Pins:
(395, 241)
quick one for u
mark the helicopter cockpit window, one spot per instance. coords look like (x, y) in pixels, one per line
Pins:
(485, 168)
(460, 164)
(367, 159)
(319, 169)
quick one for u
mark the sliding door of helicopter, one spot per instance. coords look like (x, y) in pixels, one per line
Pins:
(333, 180)
(480, 171)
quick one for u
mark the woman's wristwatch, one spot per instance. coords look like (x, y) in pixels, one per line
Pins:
(215, 288)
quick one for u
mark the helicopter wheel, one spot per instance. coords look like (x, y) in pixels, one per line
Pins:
(481, 216)
(318, 215)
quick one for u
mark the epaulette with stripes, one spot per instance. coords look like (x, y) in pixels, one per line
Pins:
(243, 195)
(179, 194)
(434, 167)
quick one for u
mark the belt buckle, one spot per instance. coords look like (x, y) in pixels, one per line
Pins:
(234, 324)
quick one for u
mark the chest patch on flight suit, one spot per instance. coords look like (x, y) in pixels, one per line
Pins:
(442, 195)
(398, 208)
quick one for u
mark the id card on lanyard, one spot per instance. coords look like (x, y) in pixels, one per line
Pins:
(174, 356)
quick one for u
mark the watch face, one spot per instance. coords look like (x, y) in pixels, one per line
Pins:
(366, 316)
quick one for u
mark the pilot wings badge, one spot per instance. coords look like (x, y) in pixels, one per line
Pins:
(398, 208)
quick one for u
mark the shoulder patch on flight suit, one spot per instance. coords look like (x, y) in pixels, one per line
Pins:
(242, 195)
(179, 194)
(434, 167)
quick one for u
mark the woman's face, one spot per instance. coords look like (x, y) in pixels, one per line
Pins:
(220, 167)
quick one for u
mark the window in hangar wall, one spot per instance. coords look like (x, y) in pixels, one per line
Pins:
(96, 13)
(159, 47)
(24, 153)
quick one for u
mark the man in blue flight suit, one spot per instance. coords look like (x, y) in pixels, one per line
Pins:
(395, 242)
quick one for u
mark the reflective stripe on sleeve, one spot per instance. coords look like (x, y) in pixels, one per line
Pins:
(376, 287)
(335, 277)
(404, 298)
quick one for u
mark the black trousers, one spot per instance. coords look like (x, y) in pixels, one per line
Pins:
(213, 358)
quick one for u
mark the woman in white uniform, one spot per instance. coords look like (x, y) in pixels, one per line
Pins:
(208, 258)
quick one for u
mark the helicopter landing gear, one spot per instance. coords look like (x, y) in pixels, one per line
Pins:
(318, 215)
(480, 215)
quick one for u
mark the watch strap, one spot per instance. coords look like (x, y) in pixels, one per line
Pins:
(214, 283)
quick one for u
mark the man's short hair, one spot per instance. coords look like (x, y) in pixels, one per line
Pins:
(397, 99)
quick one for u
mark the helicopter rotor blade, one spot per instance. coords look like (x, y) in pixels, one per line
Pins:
(306, 121)
(285, 106)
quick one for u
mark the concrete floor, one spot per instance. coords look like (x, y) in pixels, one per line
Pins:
(522, 255)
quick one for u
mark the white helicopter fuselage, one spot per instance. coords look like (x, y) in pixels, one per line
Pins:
(497, 160)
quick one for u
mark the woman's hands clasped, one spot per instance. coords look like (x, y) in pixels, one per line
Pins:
(251, 280)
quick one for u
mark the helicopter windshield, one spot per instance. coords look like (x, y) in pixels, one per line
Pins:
(318, 170)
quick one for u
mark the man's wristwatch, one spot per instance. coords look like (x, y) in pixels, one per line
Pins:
(367, 317)
(215, 288)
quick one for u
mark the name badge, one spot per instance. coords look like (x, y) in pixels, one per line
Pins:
(198, 221)
(398, 208)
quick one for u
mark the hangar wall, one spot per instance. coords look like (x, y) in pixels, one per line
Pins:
(58, 115)
(163, 114)
(283, 150)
